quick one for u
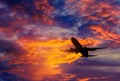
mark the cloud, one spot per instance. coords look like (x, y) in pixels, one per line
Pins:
(47, 32)
(52, 21)
(108, 55)
(10, 47)
(2, 5)
(104, 66)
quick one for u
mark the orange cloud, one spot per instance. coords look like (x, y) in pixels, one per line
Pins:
(45, 9)
(84, 79)
(105, 34)
(45, 57)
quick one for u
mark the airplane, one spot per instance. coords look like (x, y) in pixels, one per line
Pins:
(80, 49)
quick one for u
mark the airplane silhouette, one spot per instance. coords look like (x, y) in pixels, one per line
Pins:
(80, 49)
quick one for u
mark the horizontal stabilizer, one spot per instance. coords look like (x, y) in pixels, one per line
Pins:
(93, 49)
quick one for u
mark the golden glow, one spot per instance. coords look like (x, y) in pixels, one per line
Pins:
(84, 79)
(45, 57)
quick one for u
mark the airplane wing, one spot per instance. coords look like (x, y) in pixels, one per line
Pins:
(76, 43)
(93, 49)
(72, 50)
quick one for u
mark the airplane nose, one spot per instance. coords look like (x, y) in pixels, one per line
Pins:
(72, 38)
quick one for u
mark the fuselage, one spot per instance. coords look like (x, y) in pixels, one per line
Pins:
(80, 49)
(83, 51)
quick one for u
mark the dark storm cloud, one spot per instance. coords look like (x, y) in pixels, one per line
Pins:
(10, 47)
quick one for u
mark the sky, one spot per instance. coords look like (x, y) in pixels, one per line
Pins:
(33, 34)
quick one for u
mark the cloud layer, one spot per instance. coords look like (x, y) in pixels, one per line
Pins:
(33, 33)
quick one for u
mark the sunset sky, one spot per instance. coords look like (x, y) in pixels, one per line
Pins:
(34, 33)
